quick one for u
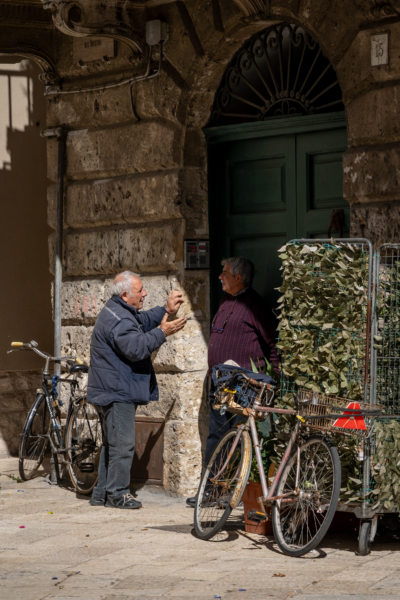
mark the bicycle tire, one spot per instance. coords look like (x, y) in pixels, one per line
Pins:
(83, 441)
(34, 439)
(301, 520)
(217, 497)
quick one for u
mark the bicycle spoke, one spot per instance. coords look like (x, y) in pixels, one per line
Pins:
(223, 483)
(34, 439)
(83, 442)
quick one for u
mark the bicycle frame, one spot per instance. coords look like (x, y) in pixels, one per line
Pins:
(52, 402)
(268, 493)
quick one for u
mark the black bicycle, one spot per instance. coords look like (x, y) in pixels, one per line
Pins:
(74, 442)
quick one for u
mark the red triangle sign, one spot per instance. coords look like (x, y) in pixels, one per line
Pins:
(352, 419)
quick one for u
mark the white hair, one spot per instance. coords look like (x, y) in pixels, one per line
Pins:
(241, 266)
(123, 283)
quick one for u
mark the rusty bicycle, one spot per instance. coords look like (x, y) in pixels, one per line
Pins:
(305, 489)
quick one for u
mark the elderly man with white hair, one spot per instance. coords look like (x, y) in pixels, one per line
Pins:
(121, 376)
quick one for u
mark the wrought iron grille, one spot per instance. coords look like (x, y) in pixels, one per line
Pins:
(280, 71)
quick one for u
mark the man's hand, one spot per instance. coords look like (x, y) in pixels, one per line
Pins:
(170, 327)
(174, 301)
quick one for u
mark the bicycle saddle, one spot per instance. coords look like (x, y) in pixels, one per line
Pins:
(76, 367)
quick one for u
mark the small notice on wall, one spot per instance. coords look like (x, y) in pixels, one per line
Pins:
(88, 49)
(379, 49)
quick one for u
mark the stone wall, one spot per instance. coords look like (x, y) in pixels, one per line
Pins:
(136, 178)
(17, 394)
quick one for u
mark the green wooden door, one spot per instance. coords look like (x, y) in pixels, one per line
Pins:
(271, 182)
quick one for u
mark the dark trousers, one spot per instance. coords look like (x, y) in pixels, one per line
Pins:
(118, 424)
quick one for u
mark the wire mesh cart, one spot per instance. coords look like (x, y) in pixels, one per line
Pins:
(339, 335)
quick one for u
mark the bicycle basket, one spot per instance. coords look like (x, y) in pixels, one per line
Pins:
(237, 389)
(335, 414)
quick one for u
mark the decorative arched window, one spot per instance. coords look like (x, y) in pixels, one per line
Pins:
(279, 71)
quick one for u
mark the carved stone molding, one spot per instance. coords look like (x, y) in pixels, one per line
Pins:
(83, 18)
(254, 8)
(385, 8)
(49, 75)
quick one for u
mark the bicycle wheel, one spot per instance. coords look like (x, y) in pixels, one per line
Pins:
(83, 440)
(302, 518)
(223, 483)
(34, 439)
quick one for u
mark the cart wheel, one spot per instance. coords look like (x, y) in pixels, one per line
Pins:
(364, 538)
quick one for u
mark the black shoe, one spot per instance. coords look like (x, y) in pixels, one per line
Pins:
(125, 501)
(97, 501)
(191, 501)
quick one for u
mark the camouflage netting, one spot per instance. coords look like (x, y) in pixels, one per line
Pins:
(323, 318)
(323, 337)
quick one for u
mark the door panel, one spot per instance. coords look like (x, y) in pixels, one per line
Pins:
(319, 181)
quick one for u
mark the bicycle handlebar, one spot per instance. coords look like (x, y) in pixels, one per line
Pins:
(33, 345)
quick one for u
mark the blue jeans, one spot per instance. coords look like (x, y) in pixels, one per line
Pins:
(118, 424)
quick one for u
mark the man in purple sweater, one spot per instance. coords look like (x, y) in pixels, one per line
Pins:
(240, 331)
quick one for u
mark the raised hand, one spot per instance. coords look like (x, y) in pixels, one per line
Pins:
(171, 327)
(175, 299)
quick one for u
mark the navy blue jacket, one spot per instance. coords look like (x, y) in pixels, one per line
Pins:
(120, 354)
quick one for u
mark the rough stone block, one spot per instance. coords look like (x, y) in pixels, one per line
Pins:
(195, 150)
(75, 341)
(132, 148)
(184, 351)
(137, 199)
(195, 201)
(83, 299)
(159, 97)
(92, 253)
(93, 109)
(156, 248)
(197, 290)
(371, 175)
(52, 159)
(182, 456)
(182, 397)
(380, 224)
(370, 117)
(17, 395)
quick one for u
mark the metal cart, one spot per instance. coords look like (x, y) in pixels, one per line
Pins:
(354, 342)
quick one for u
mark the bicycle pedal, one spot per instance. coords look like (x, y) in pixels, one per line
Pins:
(255, 515)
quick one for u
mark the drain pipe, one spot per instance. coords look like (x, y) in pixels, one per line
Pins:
(60, 134)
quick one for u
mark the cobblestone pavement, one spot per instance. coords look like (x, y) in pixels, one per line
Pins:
(56, 546)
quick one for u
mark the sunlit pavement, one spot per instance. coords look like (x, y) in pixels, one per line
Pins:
(55, 545)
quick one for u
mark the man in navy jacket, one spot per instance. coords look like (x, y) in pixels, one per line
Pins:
(121, 376)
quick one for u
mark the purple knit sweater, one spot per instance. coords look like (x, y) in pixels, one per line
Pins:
(240, 331)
